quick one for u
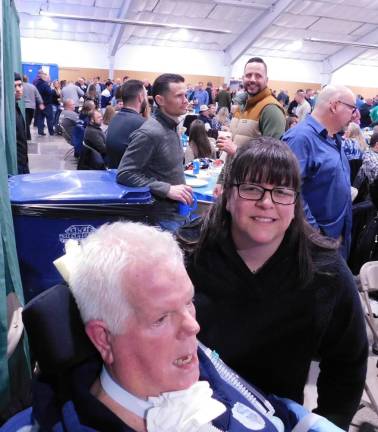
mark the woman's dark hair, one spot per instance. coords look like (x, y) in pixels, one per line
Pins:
(88, 107)
(91, 91)
(267, 160)
(198, 137)
(109, 113)
(290, 120)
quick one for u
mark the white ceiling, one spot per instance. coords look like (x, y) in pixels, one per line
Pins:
(258, 27)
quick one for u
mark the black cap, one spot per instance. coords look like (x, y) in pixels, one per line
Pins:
(17, 76)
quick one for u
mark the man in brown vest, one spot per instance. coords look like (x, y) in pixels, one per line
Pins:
(258, 114)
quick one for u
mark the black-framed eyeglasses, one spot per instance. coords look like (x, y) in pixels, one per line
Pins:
(352, 107)
(279, 195)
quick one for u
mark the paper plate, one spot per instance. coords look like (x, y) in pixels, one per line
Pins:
(203, 174)
(195, 182)
(190, 173)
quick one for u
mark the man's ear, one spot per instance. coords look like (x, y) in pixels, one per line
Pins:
(99, 335)
(159, 100)
(332, 106)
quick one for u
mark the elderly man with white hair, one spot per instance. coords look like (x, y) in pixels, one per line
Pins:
(136, 301)
(324, 167)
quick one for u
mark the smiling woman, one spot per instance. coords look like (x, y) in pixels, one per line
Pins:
(271, 293)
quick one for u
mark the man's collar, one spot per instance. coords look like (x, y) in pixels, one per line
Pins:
(318, 127)
(168, 121)
(129, 109)
(252, 100)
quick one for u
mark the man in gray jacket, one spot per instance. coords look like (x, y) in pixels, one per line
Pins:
(31, 98)
(154, 156)
(72, 91)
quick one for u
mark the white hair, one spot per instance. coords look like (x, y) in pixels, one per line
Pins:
(98, 279)
(330, 93)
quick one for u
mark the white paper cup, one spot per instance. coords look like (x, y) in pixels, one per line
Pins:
(224, 134)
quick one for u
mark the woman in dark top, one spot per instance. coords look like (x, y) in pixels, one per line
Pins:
(200, 145)
(271, 293)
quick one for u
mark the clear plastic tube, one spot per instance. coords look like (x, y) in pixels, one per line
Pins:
(230, 377)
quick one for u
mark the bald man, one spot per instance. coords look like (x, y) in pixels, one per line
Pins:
(324, 166)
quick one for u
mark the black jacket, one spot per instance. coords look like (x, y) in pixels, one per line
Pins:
(268, 328)
(44, 90)
(120, 128)
(94, 137)
(22, 145)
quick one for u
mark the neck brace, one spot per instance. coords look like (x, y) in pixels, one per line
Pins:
(132, 403)
(189, 410)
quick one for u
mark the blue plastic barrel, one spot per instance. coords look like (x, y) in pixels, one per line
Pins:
(50, 208)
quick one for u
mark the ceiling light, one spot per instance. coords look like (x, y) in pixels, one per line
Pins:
(243, 4)
(344, 43)
(182, 34)
(295, 45)
(132, 22)
(48, 23)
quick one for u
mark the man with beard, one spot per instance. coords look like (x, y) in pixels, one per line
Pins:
(127, 120)
(260, 114)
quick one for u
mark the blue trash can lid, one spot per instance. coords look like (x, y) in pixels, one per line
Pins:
(74, 187)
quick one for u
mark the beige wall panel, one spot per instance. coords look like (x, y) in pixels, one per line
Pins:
(74, 73)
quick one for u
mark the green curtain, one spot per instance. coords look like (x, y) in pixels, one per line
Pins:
(15, 371)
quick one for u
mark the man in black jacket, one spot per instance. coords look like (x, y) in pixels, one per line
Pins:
(128, 119)
(46, 93)
(22, 145)
(94, 136)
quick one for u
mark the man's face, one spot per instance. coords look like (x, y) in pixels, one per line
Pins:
(158, 350)
(18, 89)
(299, 97)
(212, 110)
(205, 113)
(174, 101)
(255, 78)
(97, 118)
(344, 109)
(70, 106)
(200, 86)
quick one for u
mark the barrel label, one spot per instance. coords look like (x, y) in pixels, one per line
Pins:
(76, 232)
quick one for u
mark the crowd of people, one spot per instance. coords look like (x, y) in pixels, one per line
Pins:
(272, 287)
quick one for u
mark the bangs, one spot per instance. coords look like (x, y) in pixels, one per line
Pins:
(265, 160)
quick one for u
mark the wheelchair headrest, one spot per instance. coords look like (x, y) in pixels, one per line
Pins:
(55, 330)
